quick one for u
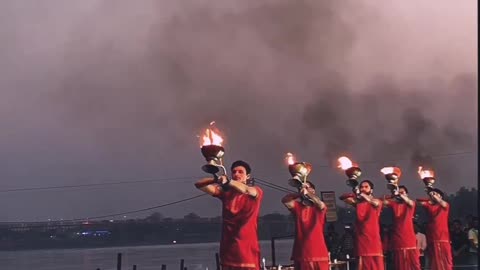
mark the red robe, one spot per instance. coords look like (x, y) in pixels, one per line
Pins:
(367, 237)
(309, 248)
(239, 246)
(439, 249)
(404, 242)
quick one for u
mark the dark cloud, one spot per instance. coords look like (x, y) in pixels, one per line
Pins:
(108, 90)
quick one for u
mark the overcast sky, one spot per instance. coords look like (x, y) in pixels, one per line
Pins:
(105, 91)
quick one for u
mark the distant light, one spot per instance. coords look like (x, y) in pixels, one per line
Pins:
(111, 220)
(174, 241)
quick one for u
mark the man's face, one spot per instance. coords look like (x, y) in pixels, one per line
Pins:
(402, 191)
(239, 173)
(434, 193)
(365, 188)
(310, 188)
(457, 226)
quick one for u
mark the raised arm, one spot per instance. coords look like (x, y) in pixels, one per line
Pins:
(314, 198)
(387, 201)
(349, 198)
(407, 200)
(239, 186)
(289, 200)
(438, 199)
(422, 201)
(371, 200)
(208, 185)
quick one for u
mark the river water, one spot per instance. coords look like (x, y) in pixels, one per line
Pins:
(196, 256)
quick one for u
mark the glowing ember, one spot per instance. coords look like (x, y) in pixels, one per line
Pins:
(290, 159)
(211, 137)
(425, 173)
(388, 170)
(344, 163)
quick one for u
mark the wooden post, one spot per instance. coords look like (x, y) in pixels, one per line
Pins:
(134, 267)
(217, 261)
(164, 267)
(272, 245)
(182, 264)
(119, 261)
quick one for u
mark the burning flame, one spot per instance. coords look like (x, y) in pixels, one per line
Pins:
(425, 173)
(395, 170)
(344, 163)
(211, 137)
(290, 159)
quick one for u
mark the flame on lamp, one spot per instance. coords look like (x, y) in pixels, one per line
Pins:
(344, 163)
(290, 159)
(211, 137)
(425, 173)
(389, 170)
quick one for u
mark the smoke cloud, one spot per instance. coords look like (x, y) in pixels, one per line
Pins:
(103, 90)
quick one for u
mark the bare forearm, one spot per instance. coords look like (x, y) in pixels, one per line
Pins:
(407, 200)
(316, 200)
(348, 198)
(289, 200)
(373, 202)
(240, 187)
(290, 197)
(205, 182)
(442, 203)
(370, 199)
(243, 188)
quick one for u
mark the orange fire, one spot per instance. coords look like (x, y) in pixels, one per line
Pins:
(290, 159)
(425, 173)
(395, 170)
(211, 137)
(345, 163)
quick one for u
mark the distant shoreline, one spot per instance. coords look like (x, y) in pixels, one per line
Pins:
(128, 245)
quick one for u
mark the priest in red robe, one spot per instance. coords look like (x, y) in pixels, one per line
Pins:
(309, 248)
(403, 240)
(439, 250)
(239, 248)
(368, 244)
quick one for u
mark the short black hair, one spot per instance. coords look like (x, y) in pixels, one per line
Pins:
(404, 187)
(368, 182)
(242, 163)
(311, 184)
(439, 192)
(457, 221)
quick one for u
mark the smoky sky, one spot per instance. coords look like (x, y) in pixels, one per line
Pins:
(107, 91)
